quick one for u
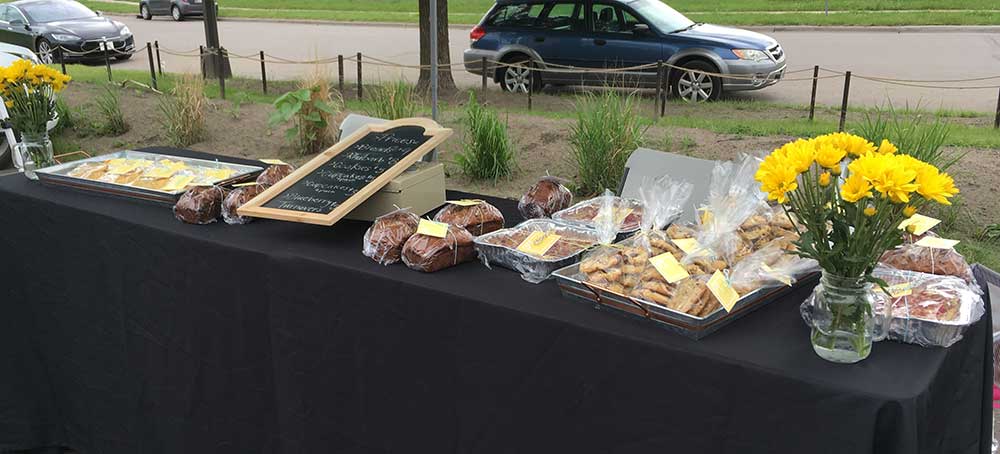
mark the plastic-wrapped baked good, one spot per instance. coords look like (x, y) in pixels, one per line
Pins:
(237, 198)
(274, 173)
(945, 262)
(627, 213)
(924, 309)
(733, 198)
(384, 240)
(773, 265)
(557, 245)
(479, 219)
(200, 205)
(429, 254)
(546, 197)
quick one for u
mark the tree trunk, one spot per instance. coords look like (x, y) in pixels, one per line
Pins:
(445, 82)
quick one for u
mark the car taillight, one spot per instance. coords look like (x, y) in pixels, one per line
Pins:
(476, 33)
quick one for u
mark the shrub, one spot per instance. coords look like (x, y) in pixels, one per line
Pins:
(912, 133)
(67, 119)
(606, 132)
(310, 109)
(487, 153)
(184, 112)
(109, 106)
(392, 101)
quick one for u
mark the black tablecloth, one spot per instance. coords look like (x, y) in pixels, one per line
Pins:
(123, 330)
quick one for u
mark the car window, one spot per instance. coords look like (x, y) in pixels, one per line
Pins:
(522, 15)
(3, 13)
(564, 16)
(630, 20)
(56, 11)
(607, 19)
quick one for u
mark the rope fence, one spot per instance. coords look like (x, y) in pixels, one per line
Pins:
(665, 73)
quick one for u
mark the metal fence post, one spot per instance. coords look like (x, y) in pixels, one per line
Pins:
(531, 85)
(812, 99)
(361, 92)
(263, 72)
(62, 59)
(340, 73)
(996, 122)
(219, 55)
(659, 87)
(152, 69)
(483, 68)
(107, 60)
(666, 91)
(843, 105)
(159, 62)
(201, 60)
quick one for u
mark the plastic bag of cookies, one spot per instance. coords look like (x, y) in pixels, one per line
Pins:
(734, 197)
(606, 265)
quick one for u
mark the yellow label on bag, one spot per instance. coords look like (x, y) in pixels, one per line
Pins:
(538, 243)
(274, 162)
(898, 290)
(465, 202)
(688, 245)
(177, 183)
(243, 185)
(781, 277)
(936, 243)
(921, 224)
(619, 213)
(432, 228)
(669, 267)
(723, 291)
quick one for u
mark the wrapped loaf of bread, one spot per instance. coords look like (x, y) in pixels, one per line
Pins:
(942, 262)
(429, 254)
(546, 197)
(274, 173)
(384, 240)
(200, 205)
(236, 199)
(478, 219)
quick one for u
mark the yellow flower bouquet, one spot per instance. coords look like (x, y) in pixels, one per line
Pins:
(849, 196)
(28, 91)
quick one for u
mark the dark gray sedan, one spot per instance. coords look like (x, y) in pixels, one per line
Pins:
(63, 28)
(177, 9)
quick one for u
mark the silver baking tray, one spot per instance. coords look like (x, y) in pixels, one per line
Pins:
(58, 175)
(687, 325)
(532, 269)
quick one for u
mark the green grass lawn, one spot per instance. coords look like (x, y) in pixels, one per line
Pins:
(735, 12)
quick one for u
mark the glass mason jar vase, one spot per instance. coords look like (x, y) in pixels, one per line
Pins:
(839, 311)
(35, 152)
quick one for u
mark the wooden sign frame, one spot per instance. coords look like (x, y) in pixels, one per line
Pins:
(256, 208)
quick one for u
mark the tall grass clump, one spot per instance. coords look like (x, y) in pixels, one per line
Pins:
(393, 101)
(912, 132)
(607, 131)
(183, 119)
(67, 118)
(310, 111)
(109, 105)
(487, 153)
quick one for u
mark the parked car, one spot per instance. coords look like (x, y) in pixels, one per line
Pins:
(608, 34)
(10, 53)
(177, 9)
(66, 28)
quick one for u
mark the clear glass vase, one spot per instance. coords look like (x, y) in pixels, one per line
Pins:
(35, 152)
(839, 311)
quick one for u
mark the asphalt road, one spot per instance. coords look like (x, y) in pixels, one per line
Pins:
(934, 55)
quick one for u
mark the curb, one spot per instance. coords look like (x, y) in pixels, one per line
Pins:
(756, 28)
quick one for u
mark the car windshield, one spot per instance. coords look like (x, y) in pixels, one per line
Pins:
(56, 11)
(661, 16)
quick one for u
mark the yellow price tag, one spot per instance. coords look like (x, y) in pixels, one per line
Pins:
(781, 277)
(619, 213)
(274, 162)
(723, 291)
(936, 243)
(242, 185)
(432, 228)
(465, 202)
(921, 224)
(669, 267)
(898, 290)
(688, 245)
(538, 243)
(177, 183)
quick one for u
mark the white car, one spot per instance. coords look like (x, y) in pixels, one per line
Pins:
(10, 53)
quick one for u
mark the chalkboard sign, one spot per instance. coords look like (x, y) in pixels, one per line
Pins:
(338, 180)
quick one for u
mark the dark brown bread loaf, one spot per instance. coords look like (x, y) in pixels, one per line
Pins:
(478, 219)
(544, 198)
(383, 242)
(274, 174)
(236, 199)
(430, 254)
(199, 205)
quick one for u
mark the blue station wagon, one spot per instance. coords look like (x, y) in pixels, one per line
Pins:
(549, 35)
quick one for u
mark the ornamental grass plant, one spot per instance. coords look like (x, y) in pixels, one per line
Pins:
(487, 153)
(183, 112)
(914, 134)
(606, 132)
(393, 101)
(109, 105)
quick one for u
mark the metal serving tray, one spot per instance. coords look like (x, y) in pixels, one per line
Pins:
(687, 325)
(58, 175)
(532, 269)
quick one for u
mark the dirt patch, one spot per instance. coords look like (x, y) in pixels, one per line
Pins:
(542, 143)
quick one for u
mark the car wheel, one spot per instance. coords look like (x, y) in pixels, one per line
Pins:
(175, 13)
(144, 12)
(695, 87)
(123, 57)
(44, 50)
(516, 79)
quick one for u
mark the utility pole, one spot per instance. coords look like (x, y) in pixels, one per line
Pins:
(216, 63)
